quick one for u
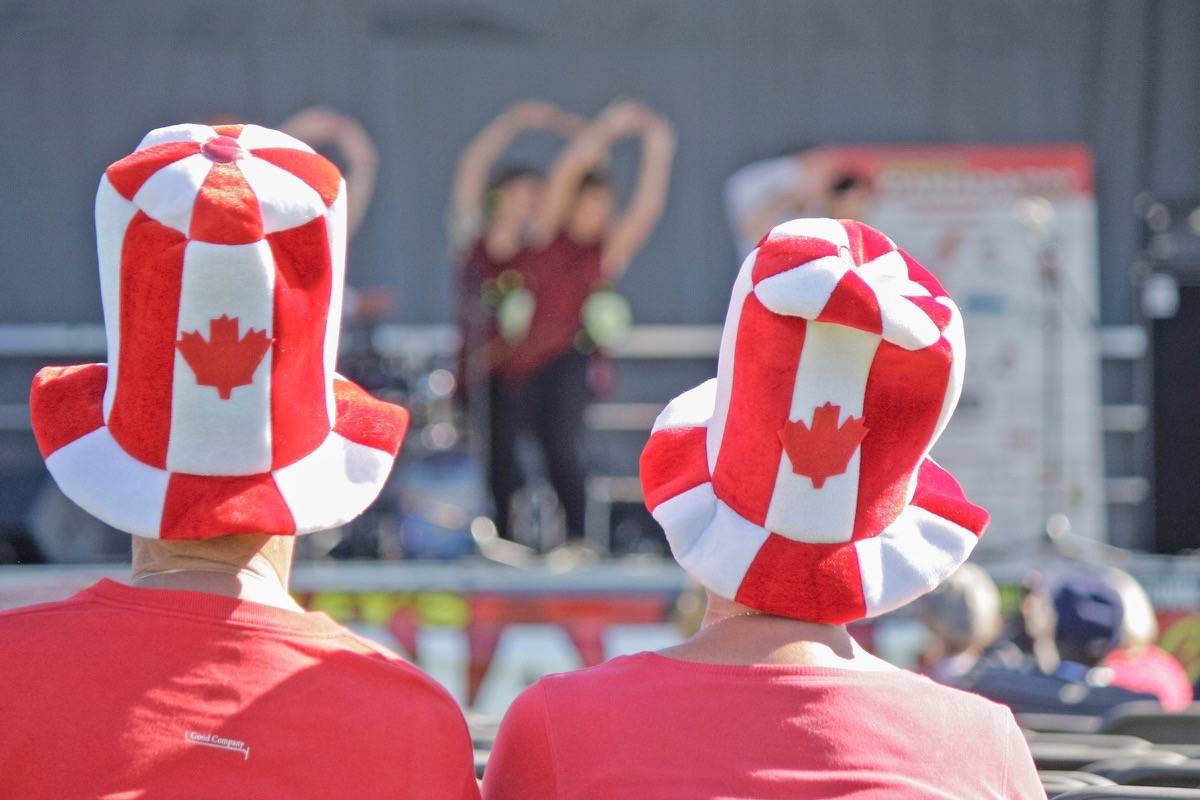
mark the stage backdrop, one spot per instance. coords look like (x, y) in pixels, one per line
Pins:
(1011, 232)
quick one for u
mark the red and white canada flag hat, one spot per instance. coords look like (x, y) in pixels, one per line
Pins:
(798, 481)
(222, 256)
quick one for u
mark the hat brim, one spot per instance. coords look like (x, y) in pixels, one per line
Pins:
(829, 582)
(324, 489)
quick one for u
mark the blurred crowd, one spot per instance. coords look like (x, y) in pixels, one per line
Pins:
(1080, 640)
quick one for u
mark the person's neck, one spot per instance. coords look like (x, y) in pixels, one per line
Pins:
(735, 634)
(241, 571)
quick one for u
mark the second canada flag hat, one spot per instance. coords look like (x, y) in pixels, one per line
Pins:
(222, 258)
(798, 481)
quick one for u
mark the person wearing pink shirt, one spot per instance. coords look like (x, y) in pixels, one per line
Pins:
(1137, 663)
(796, 487)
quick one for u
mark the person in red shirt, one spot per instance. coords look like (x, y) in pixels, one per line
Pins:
(217, 432)
(545, 254)
(796, 487)
(489, 231)
(203, 678)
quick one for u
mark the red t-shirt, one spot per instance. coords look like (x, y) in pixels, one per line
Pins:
(560, 277)
(650, 727)
(120, 692)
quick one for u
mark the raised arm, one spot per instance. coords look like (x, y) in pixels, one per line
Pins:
(635, 224)
(319, 126)
(475, 164)
(584, 153)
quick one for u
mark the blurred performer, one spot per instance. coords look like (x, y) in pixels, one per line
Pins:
(585, 244)
(217, 432)
(807, 183)
(488, 226)
(577, 244)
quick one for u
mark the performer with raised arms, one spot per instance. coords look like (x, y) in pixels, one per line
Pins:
(542, 264)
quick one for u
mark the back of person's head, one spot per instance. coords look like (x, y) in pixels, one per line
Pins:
(964, 612)
(219, 412)
(798, 482)
(1088, 615)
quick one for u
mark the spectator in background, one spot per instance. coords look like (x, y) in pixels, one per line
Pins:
(1086, 615)
(1033, 626)
(224, 433)
(1137, 663)
(755, 478)
(963, 615)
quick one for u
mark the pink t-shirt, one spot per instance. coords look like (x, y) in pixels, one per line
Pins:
(124, 693)
(650, 727)
(1154, 671)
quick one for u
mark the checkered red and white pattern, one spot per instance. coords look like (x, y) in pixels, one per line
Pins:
(798, 480)
(222, 260)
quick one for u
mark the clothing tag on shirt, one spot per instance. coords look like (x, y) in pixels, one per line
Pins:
(220, 742)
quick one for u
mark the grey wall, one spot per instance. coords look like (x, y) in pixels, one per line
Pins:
(81, 81)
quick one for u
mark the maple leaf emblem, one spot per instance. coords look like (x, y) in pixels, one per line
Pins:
(824, 449)
(225, 360)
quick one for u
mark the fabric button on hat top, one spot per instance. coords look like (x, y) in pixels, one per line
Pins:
(798, 481)
(222, 149)
(222, 260)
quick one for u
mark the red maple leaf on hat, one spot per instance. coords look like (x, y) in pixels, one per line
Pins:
(224, 361)
(824, 449)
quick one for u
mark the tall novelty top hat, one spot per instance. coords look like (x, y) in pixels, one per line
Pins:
(798, 481)
(222, 257)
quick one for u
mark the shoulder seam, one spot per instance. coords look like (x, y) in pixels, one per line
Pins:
(202, 619)
(51, 607)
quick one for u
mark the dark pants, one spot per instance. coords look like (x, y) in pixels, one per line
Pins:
(550, 404)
